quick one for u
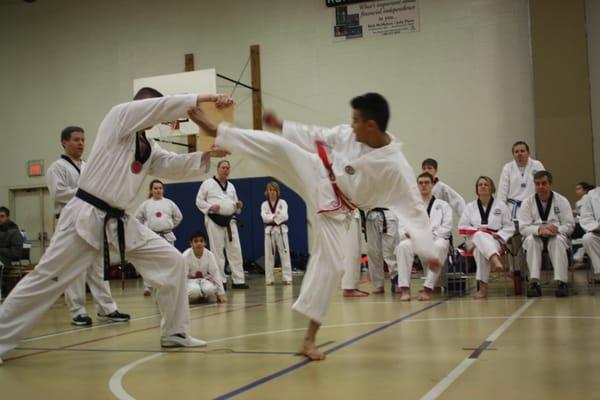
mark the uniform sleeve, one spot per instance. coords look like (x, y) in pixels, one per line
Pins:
(567, 222)
(465, 218)
(190, 266)
(281, 215)
(213, 271)
(127, 118)
(201, 197)
(140, 213)
(169, 165)
(265, 213)
(176, 214)
(526, 219)
(508, 225)
(503, 185)
(587, 219)
(60, 192)
(444, 230)
(455, 200)
(305, 136)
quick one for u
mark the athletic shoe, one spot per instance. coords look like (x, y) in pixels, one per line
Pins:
(181, 340)
(534, 290)
(81, 320)
(114, 316)
(562, 290)
(239, 286)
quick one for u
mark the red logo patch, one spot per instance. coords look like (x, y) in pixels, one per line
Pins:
(158, 214)
(136, 167)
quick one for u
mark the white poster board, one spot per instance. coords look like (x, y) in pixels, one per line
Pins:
(375, 18)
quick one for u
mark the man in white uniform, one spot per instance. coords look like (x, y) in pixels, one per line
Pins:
(441, 190)
(120, 160)
(382, 239)
(334, 170)
(440, 217)
(218, 201)
(589, 219)
(204, 278)
(351, 274)
(546, 220)
(62, 179)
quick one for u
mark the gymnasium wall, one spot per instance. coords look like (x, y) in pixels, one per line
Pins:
(460, 89)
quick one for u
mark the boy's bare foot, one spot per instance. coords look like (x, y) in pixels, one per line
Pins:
(200, 119)
(404, 293)
(378, 290)
(479, 295)
(425, 295)
(497, 265)
(310, 351)
(355, 293)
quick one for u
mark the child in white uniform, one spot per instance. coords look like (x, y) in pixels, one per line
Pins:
(204, 279)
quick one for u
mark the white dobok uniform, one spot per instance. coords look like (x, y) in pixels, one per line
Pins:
(351, 273)
(382, 239)
(358, 170)
(589, 219)
(483, 244)
(62, 178)
(530, 221)
(161, 216)
(210, 284)
(444, 192)
(109, 175)
(275, 217)
(440, 217)
(211, 192)
(516, 184)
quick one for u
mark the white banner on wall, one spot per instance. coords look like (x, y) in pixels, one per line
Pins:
(375, 18)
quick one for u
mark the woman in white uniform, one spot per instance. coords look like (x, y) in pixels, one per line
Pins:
(487, 223)
(274, 213)
(159, 214)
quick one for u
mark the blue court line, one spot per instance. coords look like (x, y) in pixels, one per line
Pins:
(482, 347)
(306, 361)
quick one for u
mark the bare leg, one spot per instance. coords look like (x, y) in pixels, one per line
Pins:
(355, 293)
(404, 293)
(497, 265)
(378, 290)
(482, 293)
(309, 348)
(425, 295)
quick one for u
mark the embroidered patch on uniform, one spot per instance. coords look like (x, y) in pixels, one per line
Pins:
(136, 167)
(349, 170)
(158, 214)
(497, 211)
(556, 210)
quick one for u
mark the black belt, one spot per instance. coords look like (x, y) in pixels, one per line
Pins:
(382, 211)
(111, 213)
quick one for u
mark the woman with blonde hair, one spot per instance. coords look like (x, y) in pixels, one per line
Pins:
(487, 224)
(274, 213)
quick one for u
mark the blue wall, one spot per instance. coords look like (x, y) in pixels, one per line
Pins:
(251, 192)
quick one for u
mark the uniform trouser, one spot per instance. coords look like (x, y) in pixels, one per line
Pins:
(200, 288)
(405, 256)
(100, 289)
(219, 241)
(147, 286)
(68, 257)
(277, 241)
(485, 247)
(303, 172)
(557, 251)
(351, 274)
(380, 247)
(591, 244)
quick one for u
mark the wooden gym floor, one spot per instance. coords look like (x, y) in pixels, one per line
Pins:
(505, 347)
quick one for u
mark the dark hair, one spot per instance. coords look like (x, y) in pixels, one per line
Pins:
(197, 234)
(425, 175)
(520, 142)
(5, 211)
(490, 182)
(152, 184)
(66, 133)
(147, 93)
(373, 106)
(430, 162)
(541, 174)
(586, 186)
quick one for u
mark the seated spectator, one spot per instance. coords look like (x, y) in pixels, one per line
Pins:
(487, 224)
(581, 190)
(205, 281)
(546, 220)
(441, 190)
(590, 222)
(11, 241)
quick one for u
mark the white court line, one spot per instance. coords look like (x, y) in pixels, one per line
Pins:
(438, 389)
(115, 381)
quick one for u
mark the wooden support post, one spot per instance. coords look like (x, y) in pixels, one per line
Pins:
(256, 93)
(189, 66)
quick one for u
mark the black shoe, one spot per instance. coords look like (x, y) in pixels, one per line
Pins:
(534, 290)
(562, 290)
(81, 320)
(114, 316)
(239, 286)
(394, 284)
(225, 286)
